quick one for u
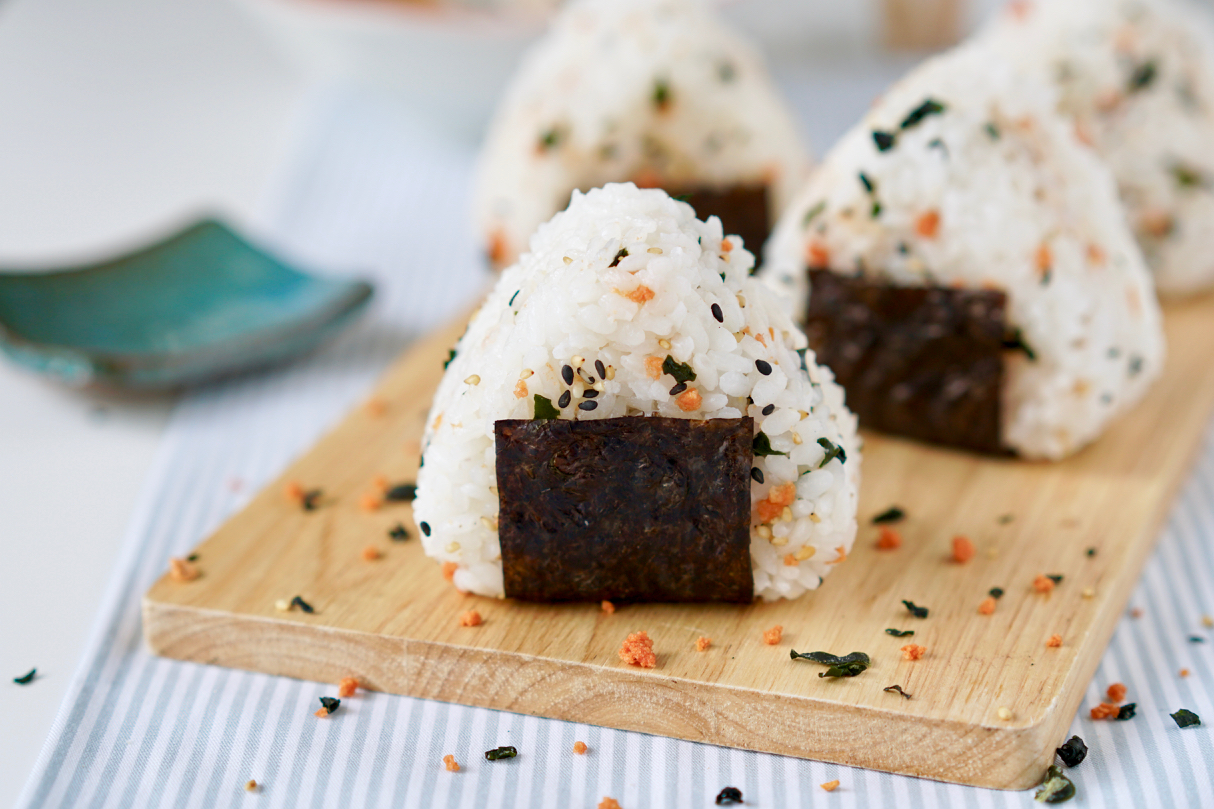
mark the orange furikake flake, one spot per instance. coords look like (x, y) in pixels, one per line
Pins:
(817, 256)
(1105, 711)
(499, 247)
(689, 400)
(1043, 259)
(294, 492)
(653, 367)
(1096, 254)
(927, 224)
(449, 762)
(640, 295)
(963, 549)
(346, 687)
(471, 618)
(608, 607)
(772, 636)
(580, 748)
(637, 650)
(889, 539)
(726, 246)
(1116, 692)
(702, 643)
(777, 498)
(987, 607)
(370, 502)
(841, 558)
(182, 570)
(380, 483)
(609, 803)
(375, 406)
(913, 652)
(520, 389)
(791, 561)
(449, 569)
(370, 553)
(1043, 583)
(831, 786)
(1054, 641)
(1184, 672)
(321, 713)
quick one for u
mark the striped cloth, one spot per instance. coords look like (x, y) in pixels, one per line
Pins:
(365, 191)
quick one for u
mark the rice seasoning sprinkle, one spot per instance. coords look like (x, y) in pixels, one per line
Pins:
(346, 687)
(370, 553)
(1105, 711)
(987, 607)
(963, 549)
(637, 650)
(449, 569)
(1116, 692)
(450, 764)
(182, 570)
(913, 652)
(1043, 583)
(609, 803)
(831, 786)
(702, 643)
(772, 507)
(608, 607)
(889, 539)
(1054, 642)
(580, 748)
(471, 618)
(772, 636)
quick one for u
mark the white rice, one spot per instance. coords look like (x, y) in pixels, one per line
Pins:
(563, 300)
(1137, 79)
(1014, 190)
(582, 111)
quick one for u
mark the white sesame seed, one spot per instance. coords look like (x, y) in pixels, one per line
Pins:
(473, 380)
(664, 343)
(1004, 713)
(779, 542)
(577, 362)
(656, 250)
(452, 547)
(763, 531)
(797, 439)
(813, 517)
(526, 374)
(611, 372)
(805, 553)
(566, 259)
(489, 523)
(741, 302)
(282, 605)
(1089, 592)
(786, 515)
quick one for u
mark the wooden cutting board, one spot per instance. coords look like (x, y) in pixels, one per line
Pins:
(393, 622)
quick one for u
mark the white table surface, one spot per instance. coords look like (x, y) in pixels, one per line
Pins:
(117, 121)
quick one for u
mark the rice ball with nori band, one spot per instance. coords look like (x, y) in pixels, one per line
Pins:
(658, 92)
(979, 216)
(1136, 77)
(617, 295)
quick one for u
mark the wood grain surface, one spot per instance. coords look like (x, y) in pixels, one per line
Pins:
(394, 622)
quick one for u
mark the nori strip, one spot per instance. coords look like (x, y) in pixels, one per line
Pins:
(625, 509)
(922, 362)
(742, 209)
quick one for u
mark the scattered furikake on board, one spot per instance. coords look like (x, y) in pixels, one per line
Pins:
(500, 753)
(915, 610)
(1056, 788)
(401, 493)
(896, 689)
(892, 514)
(330, 704)
(996, 592)
(303, 605)
(729, 795)
(398, 533)
(1073, 752)
(900, 633)
(846, 666)
(27, 678)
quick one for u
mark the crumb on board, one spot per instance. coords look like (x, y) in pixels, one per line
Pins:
(1054, 641)
(282, 605)
(1105, 711)
(963, 549)
(841, 558)
(1116, 692)
(1043, 583)
(449, 569)
(346, 687)
(1136, 612)
(471, 618)
(609, 803)
(1089, 592)
(370, 553)
(250, 786)
(702, 643)
(889, 539)
(182, 570)
(375, 406)
(831, 786)
(580, 748)
(1004, 713)
(294, 492)
(772, 636)
(913, 652)
(987, 607)
(637, 650)
(608, 607)
(449, 763)
(370, 502)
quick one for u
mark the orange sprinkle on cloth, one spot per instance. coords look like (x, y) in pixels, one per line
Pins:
(609, 803)
(1043, 583)
(182, 570)
(637, 650)
(1184, 672)
(321, 713)
(641, 294)
(689, 400)
(831, 786)
(653, 367)
(370, 553)
(580, 748)
(471, 618)
(702, 643)
(1054, 641)
(1116, 692)
(1105, 711)
(841, 558)
(963, 549)
(772, 636)
(987, 607)
(790, 560)
(913, 652)
(346, 687)
(771, 507)
(608, 607)
(889, 539)
(927, 224)
(449, 762)
(449, 569)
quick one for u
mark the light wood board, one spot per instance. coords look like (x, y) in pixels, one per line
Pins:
(393, 622)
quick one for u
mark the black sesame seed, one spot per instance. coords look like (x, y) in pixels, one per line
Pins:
(565, 399)
(757, 474)
(717, 313)
(402, 493)
(764, 367)
(602, 369)
(679, 388)
(567, 374)
(425, 526)
(587, 406)
(303, 605)
(398, 533)
(590, 393)
(767, 411)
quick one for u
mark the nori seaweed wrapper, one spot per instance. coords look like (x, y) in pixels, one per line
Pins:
(921, 362)
(625, 509)
(741, 208)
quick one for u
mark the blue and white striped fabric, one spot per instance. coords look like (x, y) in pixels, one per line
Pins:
(367, 193)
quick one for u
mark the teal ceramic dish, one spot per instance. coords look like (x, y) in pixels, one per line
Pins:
(200, 304)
